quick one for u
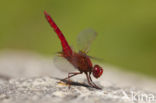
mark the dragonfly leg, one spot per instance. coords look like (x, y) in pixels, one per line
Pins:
(91, 82)
(73, 74)
(69, 76)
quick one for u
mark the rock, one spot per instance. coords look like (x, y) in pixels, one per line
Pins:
(30, 78)
(47, 90)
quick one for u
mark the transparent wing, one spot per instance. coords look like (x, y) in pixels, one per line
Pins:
(62, 64)
(95, 58)
(85, 38)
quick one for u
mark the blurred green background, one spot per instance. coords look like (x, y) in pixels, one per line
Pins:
(126, 28)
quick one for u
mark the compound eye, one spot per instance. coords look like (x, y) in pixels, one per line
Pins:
(97, 71)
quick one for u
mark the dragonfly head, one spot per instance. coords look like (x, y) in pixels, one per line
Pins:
(97, 71)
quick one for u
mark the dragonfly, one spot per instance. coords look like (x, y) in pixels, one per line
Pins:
(80, 60)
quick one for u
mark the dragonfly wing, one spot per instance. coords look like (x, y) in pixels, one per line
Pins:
(85, 38)
(95, 58)
(91, 57)
(63, 65)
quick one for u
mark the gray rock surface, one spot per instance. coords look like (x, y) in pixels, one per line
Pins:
(30, 78)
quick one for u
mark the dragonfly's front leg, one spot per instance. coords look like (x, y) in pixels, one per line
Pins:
(91, 83)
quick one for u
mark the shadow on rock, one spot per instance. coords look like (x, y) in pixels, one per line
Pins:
(73, 83)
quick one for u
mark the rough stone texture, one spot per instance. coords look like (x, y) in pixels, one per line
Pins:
(30, 78)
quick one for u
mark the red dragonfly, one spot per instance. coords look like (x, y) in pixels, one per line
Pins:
(79, 60)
